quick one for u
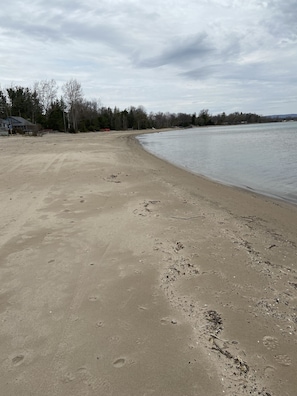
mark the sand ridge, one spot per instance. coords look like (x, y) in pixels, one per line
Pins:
(124, 275)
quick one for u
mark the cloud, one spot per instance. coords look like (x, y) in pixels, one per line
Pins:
(166, 55)
(181, 51)
(281, 20)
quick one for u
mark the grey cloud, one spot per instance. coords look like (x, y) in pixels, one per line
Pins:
(202, 72)
(181, 52)
(128, 43)
(280, 19)
(60, 26)
(262, 73)
(230, 71)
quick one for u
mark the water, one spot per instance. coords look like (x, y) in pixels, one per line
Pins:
(260, 157)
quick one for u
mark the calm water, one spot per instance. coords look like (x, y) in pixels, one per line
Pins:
(258, 157)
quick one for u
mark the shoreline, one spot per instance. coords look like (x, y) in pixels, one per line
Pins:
(273, 195)
(124, 274)
(274, 200)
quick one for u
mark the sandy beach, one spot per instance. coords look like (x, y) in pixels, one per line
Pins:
(124, 275)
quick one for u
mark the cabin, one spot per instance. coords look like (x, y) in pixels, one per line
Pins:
(19, 124)
(4, 127)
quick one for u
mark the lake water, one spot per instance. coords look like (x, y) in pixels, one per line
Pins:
(260, 157)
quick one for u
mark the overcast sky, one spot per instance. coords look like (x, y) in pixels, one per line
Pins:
(166, 55)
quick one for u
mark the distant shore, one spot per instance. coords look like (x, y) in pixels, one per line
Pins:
(122, 274)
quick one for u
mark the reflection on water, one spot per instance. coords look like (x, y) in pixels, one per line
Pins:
(262, 157)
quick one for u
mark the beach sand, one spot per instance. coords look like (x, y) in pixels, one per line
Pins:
(124, 275)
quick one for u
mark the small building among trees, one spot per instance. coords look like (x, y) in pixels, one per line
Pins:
(19, 124)
(4, 127)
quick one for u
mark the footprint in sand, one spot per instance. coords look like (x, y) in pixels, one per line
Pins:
(284, 360)
(165, 321)
(68, 377)
(114, 339)
(142, 308)
(93, 298)
(18, 359)
(118, 363)
(85, 375)
(270, 342)
(269, 371)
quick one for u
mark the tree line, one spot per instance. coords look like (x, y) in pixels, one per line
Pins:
(71, 112)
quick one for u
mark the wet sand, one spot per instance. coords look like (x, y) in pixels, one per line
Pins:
(124, 275)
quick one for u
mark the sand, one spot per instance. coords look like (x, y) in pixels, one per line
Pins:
(124, 275)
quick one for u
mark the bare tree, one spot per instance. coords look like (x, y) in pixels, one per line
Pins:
(47, 93)
(73, 97)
